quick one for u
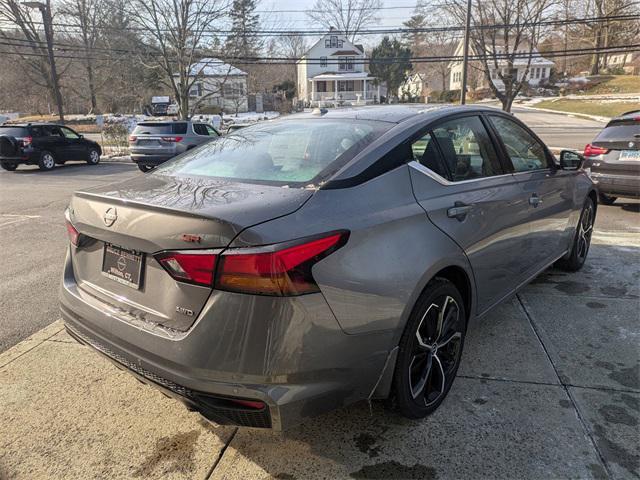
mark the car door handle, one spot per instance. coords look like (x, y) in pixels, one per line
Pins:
(459, 211)
(535, 200)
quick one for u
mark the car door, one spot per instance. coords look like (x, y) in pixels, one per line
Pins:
(459, 180)
(75, 148)
(547, 191)
(53, 141)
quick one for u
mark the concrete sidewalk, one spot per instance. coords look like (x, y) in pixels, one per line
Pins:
(549, 388)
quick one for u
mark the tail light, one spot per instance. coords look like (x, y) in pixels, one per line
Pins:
(74, 235)
(26, 141)
(132, 138)
(592, 151)
(278, 270)
(171, 139)
(192, 267)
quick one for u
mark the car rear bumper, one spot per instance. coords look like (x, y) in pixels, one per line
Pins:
(617, 185)
(289, 353)
(151, 159)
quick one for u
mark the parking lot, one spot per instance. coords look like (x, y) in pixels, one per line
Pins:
(549, 385)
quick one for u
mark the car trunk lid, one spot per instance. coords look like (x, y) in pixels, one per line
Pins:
(154, 213)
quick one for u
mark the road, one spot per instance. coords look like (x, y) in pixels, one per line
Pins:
(34, 238)
(559, 130)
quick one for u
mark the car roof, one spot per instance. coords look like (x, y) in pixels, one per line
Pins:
(32, 124)
(389, 113)
(633, 114)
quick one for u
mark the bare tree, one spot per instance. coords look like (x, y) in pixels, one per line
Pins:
(85, 18)
(28, 44)
(176, 30)
(348, 16)
(514, 39)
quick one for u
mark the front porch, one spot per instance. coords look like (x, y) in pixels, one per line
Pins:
(342, 90)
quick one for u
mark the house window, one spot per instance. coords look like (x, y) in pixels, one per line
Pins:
(196, 90)
(350, 62)
(543, 73)
(342, 63)
(333, 42)
(346, 86)
(323, 61)
(321, 86)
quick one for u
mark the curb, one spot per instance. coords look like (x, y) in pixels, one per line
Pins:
(30, 343)
(570, 114)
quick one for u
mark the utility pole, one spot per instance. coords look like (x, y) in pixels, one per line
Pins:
(465, 55)
(45, 10)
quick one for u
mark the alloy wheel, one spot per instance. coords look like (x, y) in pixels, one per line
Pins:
(585, 229)
(94, 157)
(436, 352)
(48, 161)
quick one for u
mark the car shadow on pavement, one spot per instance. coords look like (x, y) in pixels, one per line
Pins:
(548, 388)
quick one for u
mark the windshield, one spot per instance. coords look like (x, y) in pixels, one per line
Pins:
(282, 152)
(13, 131)
(160, 128)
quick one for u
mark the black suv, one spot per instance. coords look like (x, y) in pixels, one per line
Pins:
(613, 158)
(45, 145)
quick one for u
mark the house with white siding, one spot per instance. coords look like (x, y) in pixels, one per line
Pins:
(218, 84)
(538, 72)
(332, 72)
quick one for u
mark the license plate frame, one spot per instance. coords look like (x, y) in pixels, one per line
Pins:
(123, 265)
(633, 155)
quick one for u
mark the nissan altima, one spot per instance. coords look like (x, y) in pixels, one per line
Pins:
(302, 264)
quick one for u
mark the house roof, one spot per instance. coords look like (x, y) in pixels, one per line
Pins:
(346, 52)
(342, 76)
(214, 67)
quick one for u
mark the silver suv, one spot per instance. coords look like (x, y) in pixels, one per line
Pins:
(152, 143)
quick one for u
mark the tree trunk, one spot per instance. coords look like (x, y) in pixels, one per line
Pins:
(92, 87)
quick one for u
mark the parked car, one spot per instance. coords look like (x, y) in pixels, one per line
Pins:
(303, 264)
(613, 158)
(152, 143)
(45, 145)
(236, 126)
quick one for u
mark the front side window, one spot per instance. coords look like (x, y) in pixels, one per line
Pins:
(68, 133)
(466, 149)
(284, 152)
(211, 131)
(525, 152)
(200, 129)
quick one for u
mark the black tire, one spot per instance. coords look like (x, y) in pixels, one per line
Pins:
(47, 161)
(8, 166)
(606, 199)
(93, 156)
(144, 168)
(582, 239)
(426, 368)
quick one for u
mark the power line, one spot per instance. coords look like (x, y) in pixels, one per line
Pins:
(385, 30)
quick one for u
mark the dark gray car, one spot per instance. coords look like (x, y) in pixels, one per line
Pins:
(613, 158)
(303, 264)
(152, 143)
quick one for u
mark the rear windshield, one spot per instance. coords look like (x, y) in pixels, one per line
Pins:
(285, 152)
(619, 133)
(14, 131)
(160, 128)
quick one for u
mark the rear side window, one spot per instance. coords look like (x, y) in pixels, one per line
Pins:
(285, 152)
(169, 128)
(525, 152)
(14, 131)
(466, 149)
(426, 152)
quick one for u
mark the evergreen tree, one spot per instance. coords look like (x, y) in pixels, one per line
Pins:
(243, 40)
(390, 62)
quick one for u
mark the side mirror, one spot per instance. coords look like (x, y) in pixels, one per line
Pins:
(570, 160)
(80, 135)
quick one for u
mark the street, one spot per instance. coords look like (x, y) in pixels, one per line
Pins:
(549, 384)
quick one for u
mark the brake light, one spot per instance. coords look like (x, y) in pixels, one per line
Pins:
(282, 272)
(74, 235)
(272, 270)
(592, 151)
(192, 267)
(132, 138)
(26, 141)
(171, 139)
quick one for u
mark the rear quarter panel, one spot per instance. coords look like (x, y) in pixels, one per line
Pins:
(372, 283)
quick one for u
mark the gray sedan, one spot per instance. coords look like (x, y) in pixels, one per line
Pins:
(152, 143)
(300, 265)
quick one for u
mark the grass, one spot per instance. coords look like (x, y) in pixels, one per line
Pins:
(616, 84)
(589, 107)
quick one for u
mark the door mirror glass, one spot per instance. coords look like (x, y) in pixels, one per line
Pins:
(570, 160)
